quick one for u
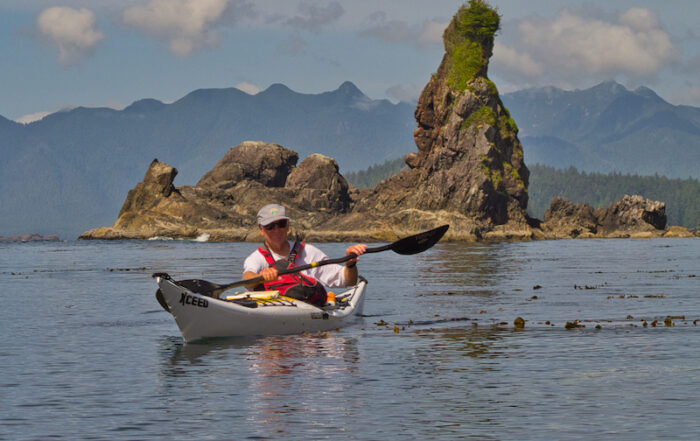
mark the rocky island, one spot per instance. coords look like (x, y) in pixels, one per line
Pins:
(468, 172)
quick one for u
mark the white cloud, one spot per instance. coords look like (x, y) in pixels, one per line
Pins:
(309, 16)
(312, 16)
(572, 48)
(250, 89)
(73, 31)
(404, 92)
(432, 32)
(32, 117)
(399, 31)
(517, 61)
(639, 19)
(187, 25)
(38, 116)
(392, 31)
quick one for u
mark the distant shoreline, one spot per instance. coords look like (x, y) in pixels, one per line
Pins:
(31, 238)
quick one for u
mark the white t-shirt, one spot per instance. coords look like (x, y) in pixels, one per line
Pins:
(332, 275)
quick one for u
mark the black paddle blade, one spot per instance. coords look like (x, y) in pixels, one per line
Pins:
(420, 242)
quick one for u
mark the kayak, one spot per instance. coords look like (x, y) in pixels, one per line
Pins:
(254, 313)
(203, 309)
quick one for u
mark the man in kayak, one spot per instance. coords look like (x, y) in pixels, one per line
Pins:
(279, 253)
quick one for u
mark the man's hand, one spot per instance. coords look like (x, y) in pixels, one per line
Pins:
(357, 250)
(269, 274)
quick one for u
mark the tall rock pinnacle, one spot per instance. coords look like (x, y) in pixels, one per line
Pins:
(469, 160)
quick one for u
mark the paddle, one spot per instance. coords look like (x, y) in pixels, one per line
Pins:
(408, 245)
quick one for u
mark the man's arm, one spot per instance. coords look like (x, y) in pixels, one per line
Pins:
(350, 271)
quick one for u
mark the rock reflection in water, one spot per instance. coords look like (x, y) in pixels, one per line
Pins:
(467, 266)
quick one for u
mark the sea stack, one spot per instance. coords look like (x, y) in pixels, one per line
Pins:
(469, 161)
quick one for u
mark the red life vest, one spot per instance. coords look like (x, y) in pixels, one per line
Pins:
(297, 285)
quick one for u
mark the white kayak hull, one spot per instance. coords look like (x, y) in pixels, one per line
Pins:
(200, 317)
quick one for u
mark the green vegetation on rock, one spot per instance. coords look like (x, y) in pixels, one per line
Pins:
(479, 21)
(486, 115)
(515, 175)
(491, 168)
(483, 115)
(506, 124)
(466, 63)
(470, 33)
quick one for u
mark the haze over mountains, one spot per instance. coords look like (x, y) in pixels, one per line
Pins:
(71, 171)
(607, 128)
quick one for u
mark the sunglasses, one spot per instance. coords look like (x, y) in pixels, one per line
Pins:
(281, 224)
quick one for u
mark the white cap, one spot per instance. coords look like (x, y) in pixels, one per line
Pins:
(271, 213)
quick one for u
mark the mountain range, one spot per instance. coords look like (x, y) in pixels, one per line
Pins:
(607, 128)
(71, 171)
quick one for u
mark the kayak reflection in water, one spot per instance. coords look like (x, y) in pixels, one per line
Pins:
(278, 253)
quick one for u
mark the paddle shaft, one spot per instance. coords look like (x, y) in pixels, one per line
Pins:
(300, 268)
(408, 245)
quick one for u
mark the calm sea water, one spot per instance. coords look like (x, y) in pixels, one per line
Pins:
(87, 353)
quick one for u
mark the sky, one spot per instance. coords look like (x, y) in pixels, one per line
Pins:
(59, 54)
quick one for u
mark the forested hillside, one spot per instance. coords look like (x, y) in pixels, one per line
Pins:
(376, 173)
(682, 196)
